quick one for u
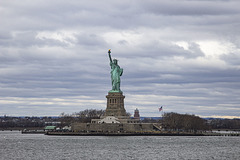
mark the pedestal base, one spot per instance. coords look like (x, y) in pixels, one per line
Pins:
(115, 105)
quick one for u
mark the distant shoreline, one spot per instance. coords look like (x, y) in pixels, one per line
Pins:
(52, 133)
(21, 128)
(139, 134)
(119, 134)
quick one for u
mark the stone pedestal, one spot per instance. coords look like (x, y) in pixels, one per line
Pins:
(115, 105)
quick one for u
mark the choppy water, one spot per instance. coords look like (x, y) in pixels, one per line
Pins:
(14, 145)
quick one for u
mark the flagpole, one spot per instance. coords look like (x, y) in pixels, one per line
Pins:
(161, 110)
(162, 113)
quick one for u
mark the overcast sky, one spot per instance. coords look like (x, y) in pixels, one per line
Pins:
(183, 55)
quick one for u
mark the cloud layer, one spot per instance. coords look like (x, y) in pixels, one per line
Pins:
(183, 55)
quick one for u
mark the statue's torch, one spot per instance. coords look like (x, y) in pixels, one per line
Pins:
(109, 51)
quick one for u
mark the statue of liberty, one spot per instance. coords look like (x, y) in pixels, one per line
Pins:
(116, 72)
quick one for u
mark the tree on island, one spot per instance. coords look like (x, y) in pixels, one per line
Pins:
(82, 116)
(185, 122)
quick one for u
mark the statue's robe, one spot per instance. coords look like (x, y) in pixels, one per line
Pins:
(116, 72)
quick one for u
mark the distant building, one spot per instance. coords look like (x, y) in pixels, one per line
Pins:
(136, 114)
(109, 119)
(50, 128)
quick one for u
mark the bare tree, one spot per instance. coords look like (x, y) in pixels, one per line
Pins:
(186, 122)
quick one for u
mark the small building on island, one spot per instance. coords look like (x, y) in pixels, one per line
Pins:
(136, 114)
(50, 128)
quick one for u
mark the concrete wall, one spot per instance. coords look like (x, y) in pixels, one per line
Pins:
(112, 119)
(138, 127)
(108, 127)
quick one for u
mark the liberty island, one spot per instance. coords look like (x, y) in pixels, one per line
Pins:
(115, 119)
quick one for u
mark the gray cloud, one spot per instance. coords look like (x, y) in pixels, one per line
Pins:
(232, 58)
(192, 8)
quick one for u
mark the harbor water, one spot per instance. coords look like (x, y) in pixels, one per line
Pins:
(15, 145)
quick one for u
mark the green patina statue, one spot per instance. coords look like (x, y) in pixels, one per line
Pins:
(116, 72)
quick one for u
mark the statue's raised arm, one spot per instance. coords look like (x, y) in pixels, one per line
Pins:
(109, 51)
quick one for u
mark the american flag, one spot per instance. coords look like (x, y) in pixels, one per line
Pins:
(160, 109)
